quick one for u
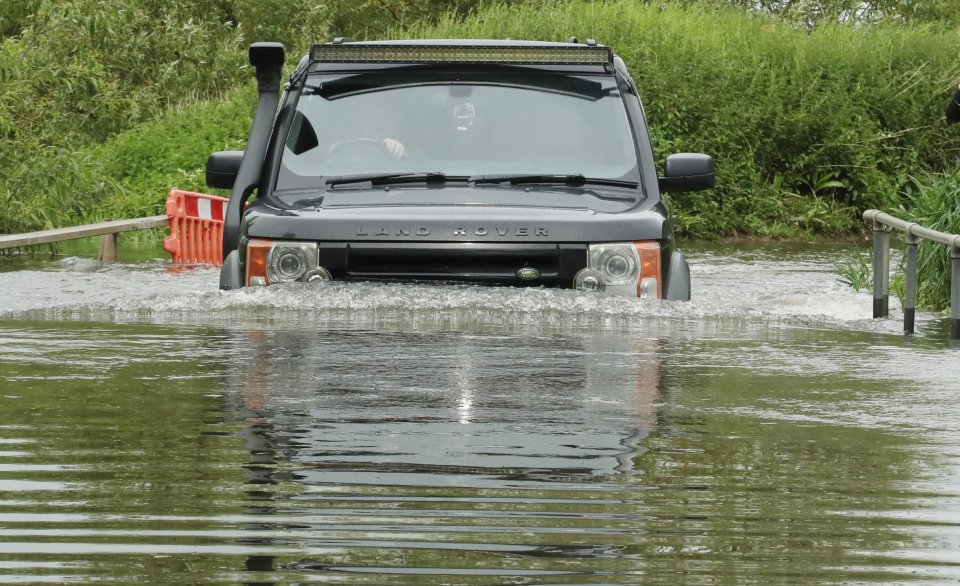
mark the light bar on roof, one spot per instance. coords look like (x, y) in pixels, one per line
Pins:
(515, 54)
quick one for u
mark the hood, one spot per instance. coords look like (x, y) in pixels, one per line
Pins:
(534, 197)
(462, 215)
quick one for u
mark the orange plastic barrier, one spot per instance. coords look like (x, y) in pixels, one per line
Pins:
(196, 228)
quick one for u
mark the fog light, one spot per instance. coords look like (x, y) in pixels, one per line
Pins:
(589, 280)
(317, 274)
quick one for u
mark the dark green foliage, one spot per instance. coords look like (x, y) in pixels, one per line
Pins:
(79, 72)
(74, 74)
(147, 161)
(298, 24)
(105, 106)
(129, 175)
(83, 70)
(807, 127)
(811, 13)
(14, 14)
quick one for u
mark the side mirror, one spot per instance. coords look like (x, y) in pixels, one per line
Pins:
(222, 168)
(687, 172)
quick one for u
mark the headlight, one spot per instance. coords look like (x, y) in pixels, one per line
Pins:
(619, 264)
(630, 269)
(287, 262)
(280, 261)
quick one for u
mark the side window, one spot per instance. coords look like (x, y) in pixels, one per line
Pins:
(302, 136)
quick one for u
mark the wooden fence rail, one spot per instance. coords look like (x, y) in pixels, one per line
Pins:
(107, 231)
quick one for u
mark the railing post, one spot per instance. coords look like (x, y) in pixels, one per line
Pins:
(881, 270)
(955, 292)
(108, 248)
(910, 288)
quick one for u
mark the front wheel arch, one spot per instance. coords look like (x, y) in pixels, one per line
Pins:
(676, 286)
(230, 274)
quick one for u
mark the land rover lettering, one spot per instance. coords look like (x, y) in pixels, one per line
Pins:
(401, 231)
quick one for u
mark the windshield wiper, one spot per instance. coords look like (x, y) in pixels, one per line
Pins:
(435, 177)
(573, 180)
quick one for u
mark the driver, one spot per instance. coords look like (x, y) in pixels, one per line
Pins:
(395, 148)
(375, 125)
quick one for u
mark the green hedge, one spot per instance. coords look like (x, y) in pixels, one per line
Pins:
(807, 127)
(75, 74)
(130, 174)
(171, 152)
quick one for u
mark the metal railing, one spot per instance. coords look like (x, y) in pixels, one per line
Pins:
(107, 231)
(883, 225)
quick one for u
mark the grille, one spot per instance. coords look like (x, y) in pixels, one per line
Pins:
(454, 261)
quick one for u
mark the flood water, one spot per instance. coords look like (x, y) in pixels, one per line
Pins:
(154, 429)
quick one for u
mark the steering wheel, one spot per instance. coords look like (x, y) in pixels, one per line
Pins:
(371, 145)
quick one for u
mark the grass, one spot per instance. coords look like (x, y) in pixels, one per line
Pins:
(856, 272)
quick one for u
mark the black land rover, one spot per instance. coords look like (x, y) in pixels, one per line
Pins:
(502, 162)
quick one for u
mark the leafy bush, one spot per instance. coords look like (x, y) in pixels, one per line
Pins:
(807, 127)
(130, 174)
(145, 162)
(811, 13)
(79, 72)
(14, 14)
(85, 69)
(74, 74)
(104, 106)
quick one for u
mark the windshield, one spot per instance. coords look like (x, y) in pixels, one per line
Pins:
(483, 124)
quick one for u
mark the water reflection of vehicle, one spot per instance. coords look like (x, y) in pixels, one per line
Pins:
(441, 408)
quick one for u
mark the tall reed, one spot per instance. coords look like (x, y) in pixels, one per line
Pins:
(935, 205)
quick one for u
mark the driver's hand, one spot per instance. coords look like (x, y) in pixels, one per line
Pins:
(395, 148)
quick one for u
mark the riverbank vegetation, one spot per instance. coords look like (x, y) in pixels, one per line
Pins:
(935, 205)
(814, 111)
(807, 126)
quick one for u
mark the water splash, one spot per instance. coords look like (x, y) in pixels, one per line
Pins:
(757, 288)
